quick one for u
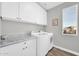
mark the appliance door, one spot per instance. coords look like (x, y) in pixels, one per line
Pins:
(43, 43)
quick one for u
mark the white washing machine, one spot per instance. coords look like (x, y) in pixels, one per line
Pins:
(44, 43)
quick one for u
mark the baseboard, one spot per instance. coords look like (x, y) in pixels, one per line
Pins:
(67, 50)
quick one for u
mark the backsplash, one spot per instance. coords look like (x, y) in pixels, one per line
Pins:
(9, 27)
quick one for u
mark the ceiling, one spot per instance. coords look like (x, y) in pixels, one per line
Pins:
(49, 5)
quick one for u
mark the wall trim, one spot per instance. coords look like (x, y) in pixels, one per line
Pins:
(67, 50)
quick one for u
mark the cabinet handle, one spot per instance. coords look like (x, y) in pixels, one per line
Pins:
(24, 48)
(0, 17)
(18, 18)
(51, 39)
(24, 42)
(3, 53)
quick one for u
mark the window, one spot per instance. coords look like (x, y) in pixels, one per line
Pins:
(70, 20)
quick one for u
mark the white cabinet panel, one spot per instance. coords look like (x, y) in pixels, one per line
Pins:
(30, 49)
(9, 9)
(12, 50)
(26, 48)
(33, 13)
(24, 11)
(28, 12)
(42, 15)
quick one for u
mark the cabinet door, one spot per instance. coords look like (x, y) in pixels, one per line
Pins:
(12, 50)
(30, 49)
(31, 12)
(26, 48)
(9, 9)
(42, 16)
(28, 12)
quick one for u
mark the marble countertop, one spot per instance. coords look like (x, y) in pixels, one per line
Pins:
(7, 43)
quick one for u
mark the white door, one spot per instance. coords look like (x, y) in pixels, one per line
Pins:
(30, 48)
(26, 48)
(28, 12)
(31, 12)
(42, 16)
(13, 50)
(9, 9)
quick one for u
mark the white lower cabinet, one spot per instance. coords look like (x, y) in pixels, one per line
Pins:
(29, 49)
(10, 50)
(26, 48)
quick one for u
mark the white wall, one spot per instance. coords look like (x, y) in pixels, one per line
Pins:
(9, 27)
(68, 42)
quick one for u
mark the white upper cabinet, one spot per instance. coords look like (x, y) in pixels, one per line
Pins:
(33, 13)
(42, 15)
(9, 9)
(26, 11)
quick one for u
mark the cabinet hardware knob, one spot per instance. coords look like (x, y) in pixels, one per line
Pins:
(24, 48)
(24, 42)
